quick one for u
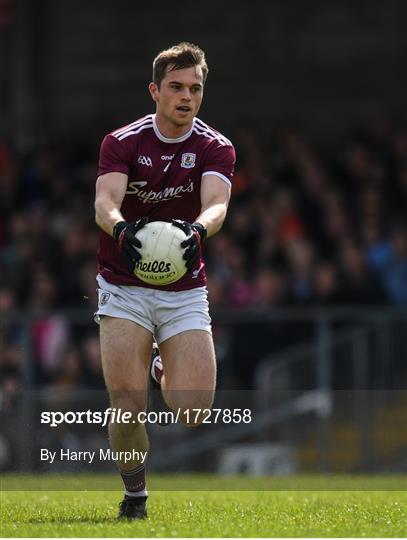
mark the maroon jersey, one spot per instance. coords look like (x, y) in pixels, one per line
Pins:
(164, 183)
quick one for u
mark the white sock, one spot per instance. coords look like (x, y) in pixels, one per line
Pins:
(142, 493)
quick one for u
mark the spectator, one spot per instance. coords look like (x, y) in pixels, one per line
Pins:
(360, 286)
(395, 273)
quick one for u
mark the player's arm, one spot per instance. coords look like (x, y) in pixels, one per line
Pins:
(215, 196)
(110, 192)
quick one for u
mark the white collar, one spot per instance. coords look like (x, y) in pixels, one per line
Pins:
(166, 139)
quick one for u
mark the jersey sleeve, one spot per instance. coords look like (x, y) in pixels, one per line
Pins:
(113, 156)
(220, 161)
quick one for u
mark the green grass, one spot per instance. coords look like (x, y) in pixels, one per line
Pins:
(210, 513)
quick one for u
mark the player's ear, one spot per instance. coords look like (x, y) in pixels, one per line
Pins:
(154, 91)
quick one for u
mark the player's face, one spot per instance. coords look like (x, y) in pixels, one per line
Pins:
(179, 97)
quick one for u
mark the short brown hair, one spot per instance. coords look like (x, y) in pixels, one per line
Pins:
(181, 56)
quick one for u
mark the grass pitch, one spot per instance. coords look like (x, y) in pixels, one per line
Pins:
(286, 512)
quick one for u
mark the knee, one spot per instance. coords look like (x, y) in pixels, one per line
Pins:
(192, 409)
(130, 404)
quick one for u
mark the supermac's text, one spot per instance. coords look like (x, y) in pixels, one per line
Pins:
(118, 416)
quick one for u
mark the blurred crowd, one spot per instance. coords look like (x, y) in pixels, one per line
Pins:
(309, 224)
(308, 227)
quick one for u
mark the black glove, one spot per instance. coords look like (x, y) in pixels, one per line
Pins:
(194, 243)
(125, 235)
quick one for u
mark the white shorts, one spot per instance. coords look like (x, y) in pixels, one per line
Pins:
(163, 313)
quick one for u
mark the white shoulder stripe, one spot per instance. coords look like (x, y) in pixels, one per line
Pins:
(134, 125)
(219, 175)
(205, 127)
(212, 137)
(214, 134)
(121, 130)
(135, 131)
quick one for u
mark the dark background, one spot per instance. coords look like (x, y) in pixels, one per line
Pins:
(72, 66)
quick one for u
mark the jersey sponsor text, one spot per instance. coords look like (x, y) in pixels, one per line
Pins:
(135, 188)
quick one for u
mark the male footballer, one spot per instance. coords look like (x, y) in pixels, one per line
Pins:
(163, 167)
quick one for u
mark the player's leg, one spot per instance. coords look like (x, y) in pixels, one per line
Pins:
(126, 354)
(156, 402)
(157, 368)
(189, 377)
(184, 336)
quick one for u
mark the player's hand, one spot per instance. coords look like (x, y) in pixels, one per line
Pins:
(125, 235)
(194, 243)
